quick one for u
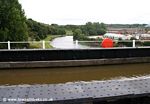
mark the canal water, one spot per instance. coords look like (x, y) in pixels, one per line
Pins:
(66, 42)
(71, 74)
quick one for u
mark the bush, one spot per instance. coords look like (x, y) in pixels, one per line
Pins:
(146, 43)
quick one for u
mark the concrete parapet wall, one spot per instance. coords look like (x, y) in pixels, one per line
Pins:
(71, 63)
(72, 57)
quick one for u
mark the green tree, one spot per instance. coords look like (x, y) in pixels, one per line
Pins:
(61, 31)
(12, 22)
(37, 31)
(58, 29)
(101, 29)
(90, 29)
(94, 28)
(77, 34)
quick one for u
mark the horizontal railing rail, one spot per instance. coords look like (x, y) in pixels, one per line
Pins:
(91, 44)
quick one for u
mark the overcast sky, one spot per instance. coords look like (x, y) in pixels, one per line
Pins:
(81, 11)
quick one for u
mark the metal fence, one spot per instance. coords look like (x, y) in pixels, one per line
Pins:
(71, 45)
(116, 43)
(24, 45)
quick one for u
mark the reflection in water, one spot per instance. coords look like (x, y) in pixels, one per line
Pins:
(66, 43)
(61, 75)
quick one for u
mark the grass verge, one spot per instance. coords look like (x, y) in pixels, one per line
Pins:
(38, 44)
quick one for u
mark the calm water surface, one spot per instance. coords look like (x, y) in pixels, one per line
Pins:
(66, 42)
(69, 74)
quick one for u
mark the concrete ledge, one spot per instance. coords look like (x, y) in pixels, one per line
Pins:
(71, 63)
(121, 91)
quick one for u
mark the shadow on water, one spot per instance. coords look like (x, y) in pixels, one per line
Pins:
(70, 74)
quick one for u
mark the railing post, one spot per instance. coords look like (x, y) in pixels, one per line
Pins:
(76, 43)
(8, 45)
(43, 44)
(133, 44)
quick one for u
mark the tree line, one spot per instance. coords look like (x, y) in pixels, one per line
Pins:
(89, 29)
(14, 26)
(12, 22)
(38, 31)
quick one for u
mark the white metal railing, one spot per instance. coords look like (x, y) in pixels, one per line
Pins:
(132, 43)
(43, 44)
(25, 42)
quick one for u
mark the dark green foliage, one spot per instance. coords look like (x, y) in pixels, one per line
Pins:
(77, 34)
(94, 28)
(61, 31)
(12, 22)
(88, 29)
(36, 30)
(130, 44)
(124, 44)
(57, 30)
(146, 43)
(71, 27)
(39, 31)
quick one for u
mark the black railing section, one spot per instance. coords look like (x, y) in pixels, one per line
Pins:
(72, 54)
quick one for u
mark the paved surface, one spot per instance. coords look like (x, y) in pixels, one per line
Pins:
(73, 91)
